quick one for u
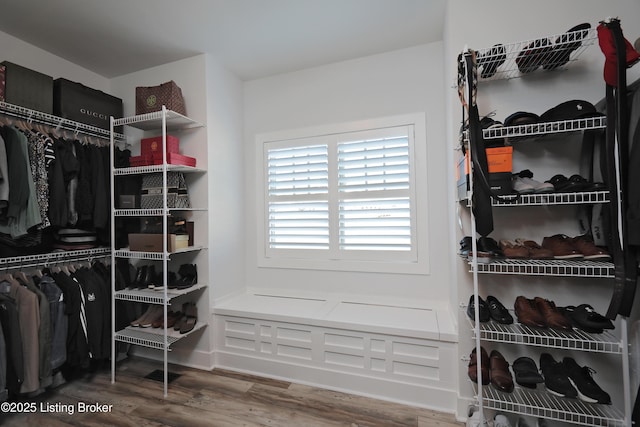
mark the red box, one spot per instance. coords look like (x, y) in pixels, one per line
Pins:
(153, 145)
(172, 159)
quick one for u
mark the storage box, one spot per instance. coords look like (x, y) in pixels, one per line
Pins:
(172, 159)
(127, 201)
(153, 242)
(153, 146)
(500, 183)
(152, 191)
(28, 88)
(500, 172)
(77, 102)
(500, 159)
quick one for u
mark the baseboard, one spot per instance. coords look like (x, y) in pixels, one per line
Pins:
(419, 395)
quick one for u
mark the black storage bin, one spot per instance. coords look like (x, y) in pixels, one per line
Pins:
(77, 102)
(28, 88)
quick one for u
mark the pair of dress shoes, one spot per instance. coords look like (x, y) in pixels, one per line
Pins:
(489, 309)
(540, 313)
(493, 368)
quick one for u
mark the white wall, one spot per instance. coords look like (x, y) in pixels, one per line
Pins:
(213, 97)
(479, 25)
(22, 53)
(399, 82)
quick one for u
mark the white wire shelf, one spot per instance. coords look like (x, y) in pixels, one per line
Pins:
(56, 122)
(540, 403)
(576, 339)
(126, 253)
(151, 296)
(153, 337)
(547, 199)
(136, 170)
(153, 212)
(541, 50)
(54, 257)
(149, 121)
(551, 267)
(536, 130)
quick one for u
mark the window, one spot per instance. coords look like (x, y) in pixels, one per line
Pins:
(341, 200)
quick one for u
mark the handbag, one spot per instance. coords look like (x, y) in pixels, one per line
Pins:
(152, 98)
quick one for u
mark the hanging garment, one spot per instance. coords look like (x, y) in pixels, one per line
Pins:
(13, 340)
(77, 348)
(58, 210)
(18, 173)
(4, 181)
(29, 325)
(96, 301)
(58, 319)
(44, 331)
(36, 145)
(3, 366)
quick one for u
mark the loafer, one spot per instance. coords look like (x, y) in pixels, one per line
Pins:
(553, 317)
(526, 372)
(499, 373)
(527, 313)
(472, 369)
(586, 318)
(498, 312)
(483, 314)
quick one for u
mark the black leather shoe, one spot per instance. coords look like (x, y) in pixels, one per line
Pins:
(490, 246)
(498, 312)
(587, 319)
(484, 309)
(526, 372)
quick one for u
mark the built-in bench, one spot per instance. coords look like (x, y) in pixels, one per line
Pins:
(397, 352)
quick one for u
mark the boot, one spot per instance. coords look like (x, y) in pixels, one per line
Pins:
(150, 277)
(141, 272)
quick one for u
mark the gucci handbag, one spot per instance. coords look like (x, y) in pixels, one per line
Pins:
(152, 98)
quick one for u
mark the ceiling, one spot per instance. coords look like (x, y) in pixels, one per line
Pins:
(252, 38)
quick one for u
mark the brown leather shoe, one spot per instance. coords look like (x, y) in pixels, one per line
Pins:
(561, 246)
(535, 250)
(473, 363)
(527, 313)
(585, 245)
(552, 316)
(513, 250)
(499, 373)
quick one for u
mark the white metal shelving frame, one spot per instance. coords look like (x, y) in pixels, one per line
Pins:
(162, 338)
(525, 401)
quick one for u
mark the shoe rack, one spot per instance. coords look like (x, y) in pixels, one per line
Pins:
(538, 402)
(161, 297)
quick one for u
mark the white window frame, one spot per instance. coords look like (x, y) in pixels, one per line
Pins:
(415, 262)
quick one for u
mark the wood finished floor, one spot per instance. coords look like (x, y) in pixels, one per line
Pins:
(215, 398)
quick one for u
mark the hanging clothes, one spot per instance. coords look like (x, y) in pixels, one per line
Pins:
(28, 326)
(13, 340)
(58, 319)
